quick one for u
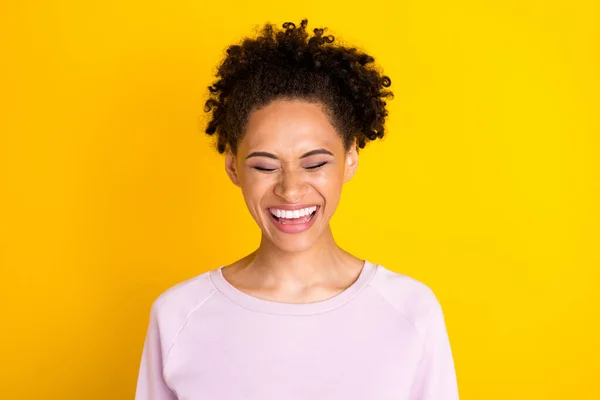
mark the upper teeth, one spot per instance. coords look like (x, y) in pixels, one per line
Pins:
(293, 214)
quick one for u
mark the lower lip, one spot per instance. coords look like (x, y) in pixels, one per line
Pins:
(294, 228)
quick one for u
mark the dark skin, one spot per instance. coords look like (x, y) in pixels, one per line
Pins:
(291, 154)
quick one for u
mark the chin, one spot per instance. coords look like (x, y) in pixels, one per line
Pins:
(291, 245)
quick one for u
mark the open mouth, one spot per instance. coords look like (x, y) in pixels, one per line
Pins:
(295, 217)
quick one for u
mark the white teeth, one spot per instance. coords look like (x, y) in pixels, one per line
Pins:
(292, 214)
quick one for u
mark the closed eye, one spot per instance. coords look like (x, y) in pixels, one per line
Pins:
(264, 169)
(311, 167)
(316, 166)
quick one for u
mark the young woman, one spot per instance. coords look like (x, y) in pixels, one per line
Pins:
(300, 317)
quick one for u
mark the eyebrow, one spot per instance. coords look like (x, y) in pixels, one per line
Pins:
(273, 156)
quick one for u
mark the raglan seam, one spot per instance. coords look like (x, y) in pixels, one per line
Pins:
(168, 352)
(412, 324)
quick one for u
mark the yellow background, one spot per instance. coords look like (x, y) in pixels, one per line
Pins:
(487, 187)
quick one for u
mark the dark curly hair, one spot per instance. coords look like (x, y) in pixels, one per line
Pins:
(288, 64)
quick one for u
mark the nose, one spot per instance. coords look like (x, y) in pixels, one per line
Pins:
(291, 186)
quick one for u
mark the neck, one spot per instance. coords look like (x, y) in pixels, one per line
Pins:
(322, 262)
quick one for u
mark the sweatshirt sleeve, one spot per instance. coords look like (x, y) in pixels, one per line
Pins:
(151, 384)
(435, 377)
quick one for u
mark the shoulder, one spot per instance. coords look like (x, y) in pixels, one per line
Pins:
(171, 309)
(411, 298)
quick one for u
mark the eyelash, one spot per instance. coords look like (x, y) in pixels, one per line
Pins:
(311, 168)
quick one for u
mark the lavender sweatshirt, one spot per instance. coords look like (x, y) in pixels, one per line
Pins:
(383, 338)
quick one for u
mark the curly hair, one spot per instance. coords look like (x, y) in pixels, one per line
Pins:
(288, 64)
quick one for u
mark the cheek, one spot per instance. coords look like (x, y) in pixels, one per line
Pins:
(329, 184)
(334, 175)
(255, 189)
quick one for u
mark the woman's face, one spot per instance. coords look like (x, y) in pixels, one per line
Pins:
(291, 165)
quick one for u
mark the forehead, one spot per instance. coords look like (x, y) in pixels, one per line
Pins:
(289, 126)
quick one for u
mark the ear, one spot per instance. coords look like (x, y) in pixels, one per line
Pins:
(231, 167)
(351, 163)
